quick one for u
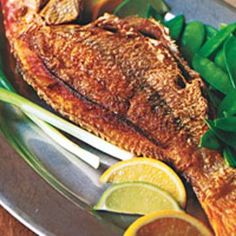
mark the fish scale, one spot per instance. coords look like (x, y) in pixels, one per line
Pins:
(140, 94)
(108, 100)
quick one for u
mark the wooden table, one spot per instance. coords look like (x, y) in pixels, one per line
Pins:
(9, 226)
(231, 2)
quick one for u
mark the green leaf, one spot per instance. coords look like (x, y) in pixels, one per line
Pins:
(220, 60)
(230, 58)
(223, 25)
(160, 6)
(192, 39)
(210, 141)
(152, 13)
(230, 157)
(226, 124)
(213, 97)
(212, 74)
(210, 32)
(229, 138)
(176, 26)
(132, 7)
(215, 42)
(228, 105)
(141, 8)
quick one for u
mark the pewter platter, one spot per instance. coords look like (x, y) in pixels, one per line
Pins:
(51, 195)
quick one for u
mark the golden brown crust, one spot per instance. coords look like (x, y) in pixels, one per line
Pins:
(78, 109)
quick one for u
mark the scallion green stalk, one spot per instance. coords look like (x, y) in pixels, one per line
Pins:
(29, 107)
(55, 135)
(68, 145)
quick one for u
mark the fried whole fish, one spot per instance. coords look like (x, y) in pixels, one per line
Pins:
(124, 80)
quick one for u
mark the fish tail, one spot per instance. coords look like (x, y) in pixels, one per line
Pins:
(219, 202)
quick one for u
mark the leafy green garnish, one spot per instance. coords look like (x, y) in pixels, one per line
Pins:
(132, 7)
(193, 32)
(31, 108)
(226, 138)
(160, 6)
(152, 13)
(210, 141)
(216, 77)
(142, 8)
(215, 42)
(230, 58)
(220, 60)
(176, 26)
(226, 124)
(228, 105)
(216, 63)
(230, 156)
(210, 32)
(89, 158)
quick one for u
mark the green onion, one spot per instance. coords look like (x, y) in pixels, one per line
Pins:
(230, 157)
(55, 135)
(33, 109)
(68, 145)
(4, 83)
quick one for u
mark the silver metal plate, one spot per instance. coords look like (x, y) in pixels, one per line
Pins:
(61, 202)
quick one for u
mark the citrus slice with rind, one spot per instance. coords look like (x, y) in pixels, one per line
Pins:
(150, 171)
(135, 198)
(168, 223)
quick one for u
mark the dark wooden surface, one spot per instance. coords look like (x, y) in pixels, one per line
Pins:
(231, 2)
(9, 226)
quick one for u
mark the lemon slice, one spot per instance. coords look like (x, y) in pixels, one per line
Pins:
(167, 223)
(150, 171)
(135, 198)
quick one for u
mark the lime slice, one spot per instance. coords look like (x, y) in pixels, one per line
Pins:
(135, 198)
(150, 171)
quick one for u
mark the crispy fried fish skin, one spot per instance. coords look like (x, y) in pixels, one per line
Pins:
(125, 81)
